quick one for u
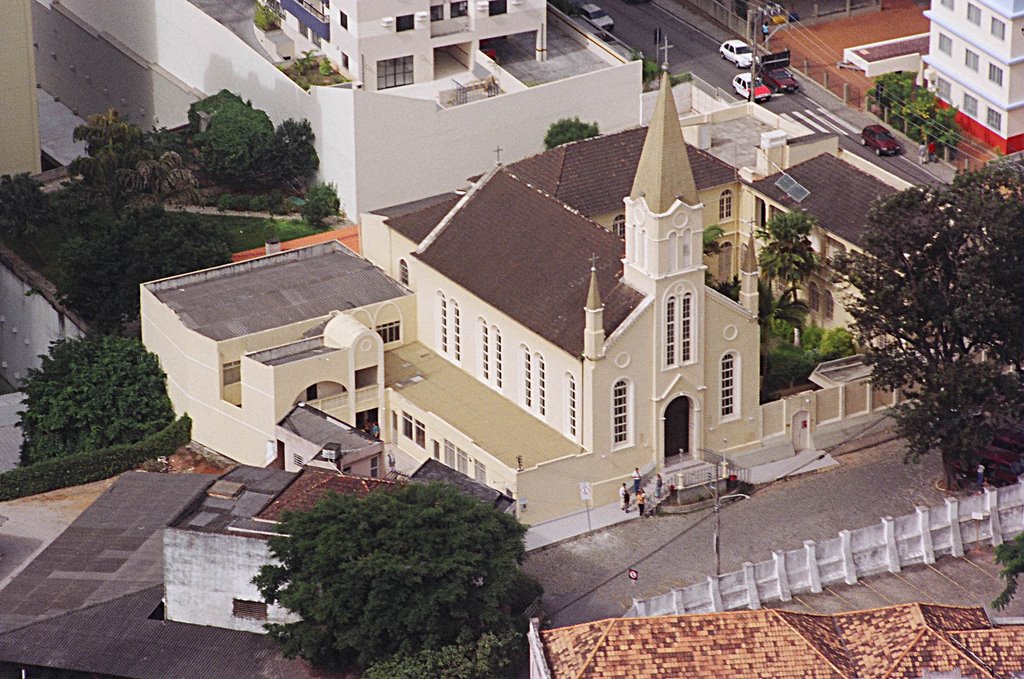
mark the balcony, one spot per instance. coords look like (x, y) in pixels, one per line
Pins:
(311, 15)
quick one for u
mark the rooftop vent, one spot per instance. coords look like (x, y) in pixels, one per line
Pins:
(226, 490)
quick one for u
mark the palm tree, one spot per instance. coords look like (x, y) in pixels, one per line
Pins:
(23, 206)
(156, 180)
(787, 255)
(711, 236)
(786, 307)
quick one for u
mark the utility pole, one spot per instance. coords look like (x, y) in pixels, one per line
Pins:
(722, 472)
(752, 28)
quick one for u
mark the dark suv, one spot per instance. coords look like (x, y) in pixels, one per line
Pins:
(880, 139)
(1002, 467)
(779, 80)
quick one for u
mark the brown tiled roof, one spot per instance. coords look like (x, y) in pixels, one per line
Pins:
(914, 44)
(312, 484)
(417, 219)
(840, 197)
(896, 642)
(594, 175)
(528, 255)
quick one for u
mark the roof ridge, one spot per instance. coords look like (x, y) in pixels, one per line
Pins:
(459, 205)
(597, 645)
(903, 655)
(63, 614)
(945, 638)
(812, 645)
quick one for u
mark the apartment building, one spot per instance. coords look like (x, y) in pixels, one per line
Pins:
(976, 63)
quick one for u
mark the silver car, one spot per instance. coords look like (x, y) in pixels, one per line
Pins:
(596, 17)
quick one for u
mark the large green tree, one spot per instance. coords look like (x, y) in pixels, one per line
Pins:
(236, 139)
(23, 206)
(418, 568)
(99, 274)
(91, 393)
(787, 256)
(291, 157)
(939, 306)
(112, 144)
(565, 130)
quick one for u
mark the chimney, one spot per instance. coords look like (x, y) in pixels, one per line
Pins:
(273, 246)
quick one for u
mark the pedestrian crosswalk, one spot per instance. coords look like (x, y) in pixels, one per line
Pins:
(820, 119)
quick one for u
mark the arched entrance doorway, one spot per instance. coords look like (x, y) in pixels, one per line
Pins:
(802, 431)
(677, 429)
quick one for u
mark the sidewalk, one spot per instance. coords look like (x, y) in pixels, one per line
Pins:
(770, 463)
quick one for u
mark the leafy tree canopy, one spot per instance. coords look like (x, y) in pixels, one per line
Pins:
(1011, 556)
(787, 255)
(416, 569)
(112, 144)
(568, 129)
(91, 393)
(292, 157)
(940, 286)
(100, 274)
(321, 202)
(236, 139)
(491, 657)
(23, 205)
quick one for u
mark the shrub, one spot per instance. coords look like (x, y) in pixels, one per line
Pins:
(568, 129)
(266, 19)
(325, 67)
(224, 202)
(836, 343)
(260, 202)
(321, 202)
(95, 465)
(240, 203)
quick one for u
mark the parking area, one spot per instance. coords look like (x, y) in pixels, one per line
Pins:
(566, 57)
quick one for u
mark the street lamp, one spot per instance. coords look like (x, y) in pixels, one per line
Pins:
(718, 525)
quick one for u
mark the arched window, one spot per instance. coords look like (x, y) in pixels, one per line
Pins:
(527, 377)
(456, 331)
(485, 351)
(725, 263)
(497, 356)
(620, 413)
(570, 403)
(442, 316)
(686, 329)
(725, 205)
(542, 395)
(403, 272)
(813, 296)
(619, 226)
(670, 331)
(727, 385)
(684, 248)
(828, 305)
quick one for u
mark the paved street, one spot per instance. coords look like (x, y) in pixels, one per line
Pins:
(586, 578)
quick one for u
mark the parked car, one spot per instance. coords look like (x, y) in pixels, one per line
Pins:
(780, 80)
(596, 17)
(487, 47)
(1002, 468)
(738, 52)
(879, 138)
(741, 84)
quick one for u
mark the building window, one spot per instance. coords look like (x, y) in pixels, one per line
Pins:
(485, 352)
(343, 19)
(312, 392)
(232, 372)
(670, 331)
(542, 396)
(570, 400)
(375, 466)
(620, 413)
(394, 72)
(406, 22)
(527, 378)
(974, 14)
(942, 89)
(828, 304)
(251, 610)
(459, 9)
(970, 105)
(437, 450)
(684, 248)
(315, 39)
(462, 461)
(994, 119)
(725, 263)
(403, 272)
(390, 332)
(948, 4)
(497, 357)
(685, 328)
(998, 29)
(970, 60)
(479, 471)
(813, 297)
(449, 453)
(725, 205)
(394, 426)
(344, 61)
(421, 435)
(995, 74)
(437, 12)
(407, 426)
(495, 7)
(619, 226)
(443, 316)
(728, 385)
(456, 330)
(945, 44)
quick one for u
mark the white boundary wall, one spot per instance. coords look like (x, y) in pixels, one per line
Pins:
(994, 516)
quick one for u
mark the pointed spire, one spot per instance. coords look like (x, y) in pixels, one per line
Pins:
(663, 173)
(594, 294)
(749, 263)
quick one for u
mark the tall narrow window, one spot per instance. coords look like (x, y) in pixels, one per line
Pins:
(620, 412)
(728, 385)
(670, 331)
(485, 352)
(570, 400)
(479, 471)
(462, 461)
(403, 271)
(725, 205)
(542, 397)
(456, 331)
(685, 328)
(619, 226)
(813, 296)
(828, 305)
(443, 316)
(449, 453)
(497, 357)
(673, 259)
(527, 378)
(684, 249)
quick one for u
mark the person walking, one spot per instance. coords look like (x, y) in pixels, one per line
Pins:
(624, 496)
(641, 500)
(375, 430)
(981, 477)
(922, 154)
(931, 152)
(658, 483)
(636, 480)
(764, 31)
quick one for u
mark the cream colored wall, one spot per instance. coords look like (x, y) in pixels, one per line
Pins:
(384, 246)
(19, 132)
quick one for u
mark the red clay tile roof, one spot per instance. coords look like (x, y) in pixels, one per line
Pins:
(528, 255)
(594, 175)
(312, 484)
(914, 44)
(898, 642)
(348, 236)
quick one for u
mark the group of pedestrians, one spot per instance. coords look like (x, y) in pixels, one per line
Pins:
(638, 493)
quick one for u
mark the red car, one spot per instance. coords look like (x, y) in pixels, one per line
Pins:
(780, 80)
(879, 138)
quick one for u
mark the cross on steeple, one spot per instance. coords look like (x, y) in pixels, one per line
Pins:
(497, 153)
(664, 48)
(593, 262)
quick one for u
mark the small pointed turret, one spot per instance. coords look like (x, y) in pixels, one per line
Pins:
(663, 173)
(593, 333)
(748, 278)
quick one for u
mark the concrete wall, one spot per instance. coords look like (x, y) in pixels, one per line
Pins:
(823, 406)
(203, 572)
(19, 133)
(930, 532)
(30, 318)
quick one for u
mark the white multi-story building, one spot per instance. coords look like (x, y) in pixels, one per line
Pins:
(394, 43)
(976, 63)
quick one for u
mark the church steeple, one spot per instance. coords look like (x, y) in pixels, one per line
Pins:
(664, 173)
(748, 278)
(593, 333)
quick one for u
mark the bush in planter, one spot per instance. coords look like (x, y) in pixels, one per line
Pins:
(266, 19)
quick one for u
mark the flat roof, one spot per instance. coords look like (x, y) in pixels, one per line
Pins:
(260, 294)
(236, 496)
(493, 422)
(914, 44)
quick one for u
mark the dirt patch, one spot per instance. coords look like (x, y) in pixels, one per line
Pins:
(185, 460)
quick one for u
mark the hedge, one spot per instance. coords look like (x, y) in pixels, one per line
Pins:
(95, 465)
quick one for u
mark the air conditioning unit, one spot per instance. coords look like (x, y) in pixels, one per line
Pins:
(422, 16)
(329, 455)
(387, 22)
(482, 5)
